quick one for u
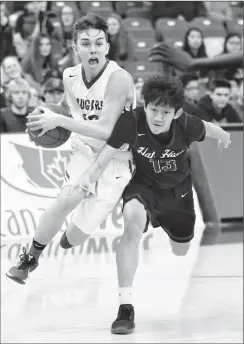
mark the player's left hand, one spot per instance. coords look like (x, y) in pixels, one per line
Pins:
(42, 118)
(224, 142)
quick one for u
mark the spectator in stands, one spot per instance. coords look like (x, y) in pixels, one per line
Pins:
(69, 60)
(120, 43)
(219, 10)
(53, 90)
(14, 117)
(232, 44)
(215, 106)
(191, 85)
(194, 43)
(138, 87)
(239, 104)
(6, 34)
(35, 99)
(185, 10)
(2, 98)
(41, 62)
(67, 20)
(12, 70)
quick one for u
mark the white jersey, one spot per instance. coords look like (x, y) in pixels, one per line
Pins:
(85, 99)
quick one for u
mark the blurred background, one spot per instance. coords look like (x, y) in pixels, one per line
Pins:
(36, 47)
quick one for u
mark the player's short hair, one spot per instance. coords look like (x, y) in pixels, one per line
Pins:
(188, 77)
(90, 21)
(215, 83)
(163, 91)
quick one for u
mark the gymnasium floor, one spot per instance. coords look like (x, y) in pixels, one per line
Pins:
(72, 298)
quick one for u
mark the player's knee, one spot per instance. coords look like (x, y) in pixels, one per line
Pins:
(180, 249)
(135, 218)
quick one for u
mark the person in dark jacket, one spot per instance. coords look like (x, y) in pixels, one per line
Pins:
(14, 117)
(215, 107)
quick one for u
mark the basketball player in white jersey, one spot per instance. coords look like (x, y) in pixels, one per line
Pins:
(97, 92)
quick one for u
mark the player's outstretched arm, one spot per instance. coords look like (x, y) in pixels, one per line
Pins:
(179, 59)
(216, 132)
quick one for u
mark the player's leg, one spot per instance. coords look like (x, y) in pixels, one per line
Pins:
(179, 222)
(51, 221)
(127, 257)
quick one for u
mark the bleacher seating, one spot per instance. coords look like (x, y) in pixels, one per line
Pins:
(137, 12)
(167, 28)
(141, 48)
(141, 69)
(235, 25)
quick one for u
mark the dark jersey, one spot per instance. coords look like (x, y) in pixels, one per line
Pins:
(161, 160)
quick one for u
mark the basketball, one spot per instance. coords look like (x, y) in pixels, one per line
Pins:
(53, 138)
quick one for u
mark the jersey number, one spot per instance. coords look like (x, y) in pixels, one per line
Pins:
(90, 117)
(160, 165)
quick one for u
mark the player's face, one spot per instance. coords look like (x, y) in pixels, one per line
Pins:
(159, 117)
(220, 97)
(92, 48)
(194, 39)
(45, 47)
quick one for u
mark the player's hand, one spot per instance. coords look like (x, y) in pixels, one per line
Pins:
(42, 118)
(224, 142)
(177, 58)
(83, 183)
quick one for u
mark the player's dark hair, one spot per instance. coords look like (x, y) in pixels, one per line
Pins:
(162, 90)
(188, 77)
(215, 83)
(90, 21)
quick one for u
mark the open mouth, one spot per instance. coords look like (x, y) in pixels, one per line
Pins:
(93, 61)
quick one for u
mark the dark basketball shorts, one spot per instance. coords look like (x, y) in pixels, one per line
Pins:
(171, 209)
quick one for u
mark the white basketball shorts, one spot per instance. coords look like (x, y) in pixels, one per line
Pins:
(107, 192)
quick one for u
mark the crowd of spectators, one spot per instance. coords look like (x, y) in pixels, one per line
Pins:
(36, 47)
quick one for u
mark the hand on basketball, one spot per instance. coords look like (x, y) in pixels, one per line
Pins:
(42, 119)
(224, 142)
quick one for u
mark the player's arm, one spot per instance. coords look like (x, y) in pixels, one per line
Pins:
(124, 132)
(118, 88)
(179, 59)
(197, 129)
(216, 132)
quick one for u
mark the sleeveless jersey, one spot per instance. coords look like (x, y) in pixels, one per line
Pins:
(85, 99)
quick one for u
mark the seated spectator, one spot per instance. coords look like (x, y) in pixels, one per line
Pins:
(232, 44)
(11, 70)
(35, 99)
(215, 106)
(70, 60)
(14, 117)
(239, 104)
(219, 10)
(191, 85)
(6, 33)
(185, 10)
(53, 90)
(67, 20)
(120, 43)
(194, 45)
(2, 99)
(138, 87)
(41, 60)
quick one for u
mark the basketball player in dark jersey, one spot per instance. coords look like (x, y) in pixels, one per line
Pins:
(161, 189)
